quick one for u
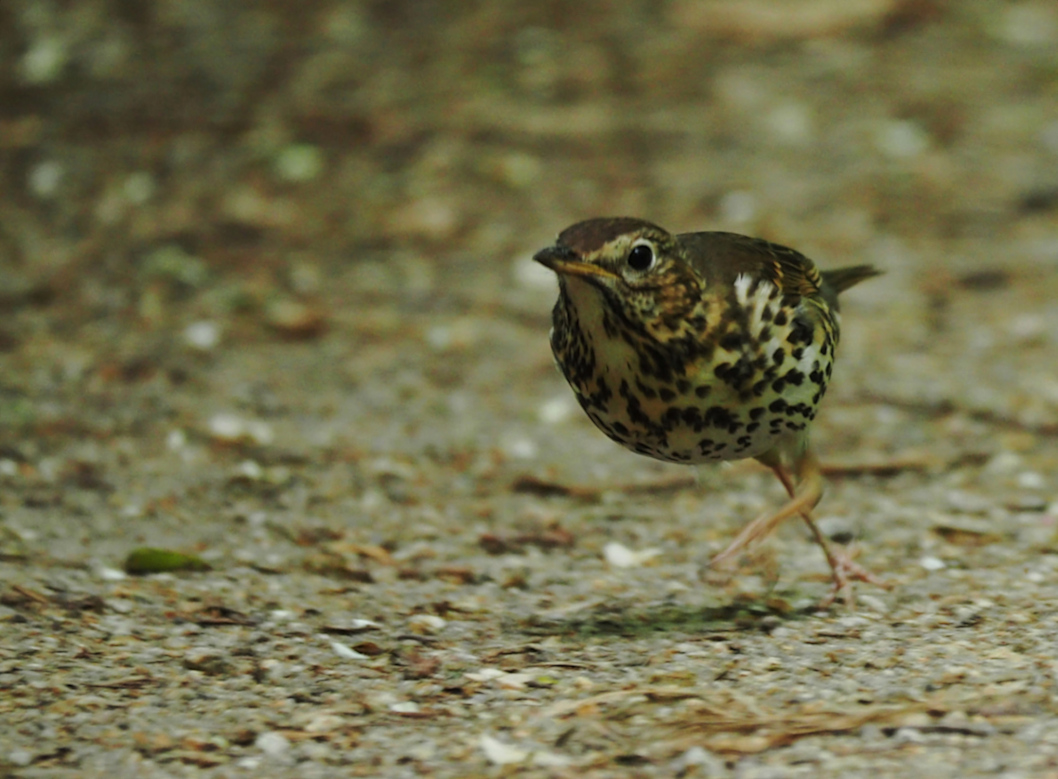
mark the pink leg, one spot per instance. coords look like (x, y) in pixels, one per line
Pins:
(843, 568)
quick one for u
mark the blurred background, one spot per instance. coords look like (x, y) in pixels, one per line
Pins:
(181, 180)
(265, 144)
(266, 297)
(325, 210)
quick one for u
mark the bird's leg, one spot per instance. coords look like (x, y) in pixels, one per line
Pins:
(803, 498)
(801, 503)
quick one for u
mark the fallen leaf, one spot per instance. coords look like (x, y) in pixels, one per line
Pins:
(146, 560)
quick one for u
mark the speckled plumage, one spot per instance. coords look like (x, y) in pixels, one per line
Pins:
(699, 347)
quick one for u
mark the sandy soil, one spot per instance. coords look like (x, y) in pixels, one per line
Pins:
(266, 299)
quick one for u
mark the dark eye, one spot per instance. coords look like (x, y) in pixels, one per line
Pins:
(641, 257)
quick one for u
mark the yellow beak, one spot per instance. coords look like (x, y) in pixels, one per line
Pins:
(564, 262)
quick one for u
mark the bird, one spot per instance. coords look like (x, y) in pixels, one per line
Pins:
(704, 347)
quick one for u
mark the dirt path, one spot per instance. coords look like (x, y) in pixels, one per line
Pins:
(266, 299)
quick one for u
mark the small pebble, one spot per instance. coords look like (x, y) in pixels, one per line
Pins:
(203, 336)
(485, 674)
(500, 753)
(519, 170)
(45, 60)
(1028, 24)
(556, 410)
(790, 123)
(324, 723)
(249, 469)
(1031, 480)
(299, 163)
(738, 207)
(1027, 502)
(346, 652)
(551, 760)
(700, 756)
(873, 602)
(139, 187)
(272, 744)
(908, 736)
(519, 448)
(108, 574)
(838, 529)
(514, 681)
(233, 428)
(45, 179)
(1004, 462)
(968, 502)
(431, 218)
(426, 623)
(620, 556)
(20, 757)
(901, 139)
(295, 319)
(533, 275)
(932, 563)
(362, 624)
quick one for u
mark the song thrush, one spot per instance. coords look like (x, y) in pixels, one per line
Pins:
(701, 347)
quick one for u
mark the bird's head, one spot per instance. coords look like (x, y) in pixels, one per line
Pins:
(636, 269)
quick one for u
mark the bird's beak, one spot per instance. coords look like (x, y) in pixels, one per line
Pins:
(564, 262)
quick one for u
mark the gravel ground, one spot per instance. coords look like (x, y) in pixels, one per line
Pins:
(266, 300)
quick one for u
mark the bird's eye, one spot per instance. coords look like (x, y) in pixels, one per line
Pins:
(641, 257)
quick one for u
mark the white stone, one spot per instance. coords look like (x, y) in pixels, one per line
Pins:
(932, 563)
(324, 723)
(790, 123)
(556, 410)
(520, 448)
(533, 275)
(901, 139)
(176, 440)
(1029, 24)
(111, 574)
(620, 556)
(204, 335)
(139, 187)
(44, 60)
(738, 207)
(485, 674)
(551, 760)
(299, 162)
(499, 753)
(272, 743)
(45, 178)
(1031, 480)
(347, 652)
(427, 622)
(250, 469)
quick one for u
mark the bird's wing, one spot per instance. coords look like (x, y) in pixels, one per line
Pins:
(724, 256)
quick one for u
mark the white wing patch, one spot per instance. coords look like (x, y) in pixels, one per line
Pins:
(742, 282)
(765, 297)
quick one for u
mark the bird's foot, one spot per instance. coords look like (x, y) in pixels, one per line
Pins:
(844, 570)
